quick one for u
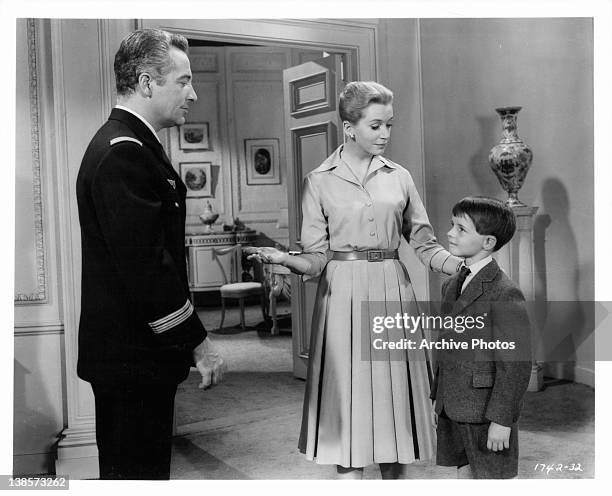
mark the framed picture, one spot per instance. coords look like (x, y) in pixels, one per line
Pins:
(262, 161)
(194, 136)
(197, 178)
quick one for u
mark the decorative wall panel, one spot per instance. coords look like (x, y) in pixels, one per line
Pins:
(312, 94)
(30, 260)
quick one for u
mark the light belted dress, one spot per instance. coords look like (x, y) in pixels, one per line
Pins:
(359, 411)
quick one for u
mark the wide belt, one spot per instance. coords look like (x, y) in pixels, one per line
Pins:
(369, 255)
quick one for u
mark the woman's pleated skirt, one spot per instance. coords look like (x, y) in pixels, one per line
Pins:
(364, 405)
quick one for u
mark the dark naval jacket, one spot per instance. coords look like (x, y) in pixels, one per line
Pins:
(137, 323)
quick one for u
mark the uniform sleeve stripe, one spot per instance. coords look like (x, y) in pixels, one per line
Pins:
(172, 315)
(173, 319)
(174, 323)
(124, 138)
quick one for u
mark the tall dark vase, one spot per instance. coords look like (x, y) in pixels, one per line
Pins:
(511, 158)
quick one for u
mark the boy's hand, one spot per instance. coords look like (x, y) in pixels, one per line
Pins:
(499, 437)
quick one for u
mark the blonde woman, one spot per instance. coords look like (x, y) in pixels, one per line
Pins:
(356, 205)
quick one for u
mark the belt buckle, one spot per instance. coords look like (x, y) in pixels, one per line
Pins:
(375, 255)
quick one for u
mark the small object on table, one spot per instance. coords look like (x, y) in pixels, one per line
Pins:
(208, 217)
(239, 225)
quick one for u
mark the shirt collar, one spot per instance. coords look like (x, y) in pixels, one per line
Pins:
(475, 268)
(334, 161)
(141, 118)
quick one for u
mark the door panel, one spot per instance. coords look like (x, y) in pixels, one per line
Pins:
(313, 132)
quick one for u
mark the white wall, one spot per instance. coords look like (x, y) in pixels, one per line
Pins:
(38, 353)
(471, 66)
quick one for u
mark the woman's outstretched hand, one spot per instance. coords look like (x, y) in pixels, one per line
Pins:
(265, 254)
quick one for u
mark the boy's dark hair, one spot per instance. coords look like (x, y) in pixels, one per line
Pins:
(490, 216)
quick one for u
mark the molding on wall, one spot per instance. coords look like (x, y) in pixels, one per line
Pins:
(68, 239)
(421, 116)
(584, 375)
(77, 454)
(264, 221)
(339, 34)
(571, 371)
(344, 24)
(40, 295)
(28, 329)
(192, 221)
(107, 74)
(419, 67)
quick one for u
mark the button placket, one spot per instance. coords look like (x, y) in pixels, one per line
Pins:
(370, 205)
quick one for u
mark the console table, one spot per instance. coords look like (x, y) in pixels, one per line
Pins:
(205, 271)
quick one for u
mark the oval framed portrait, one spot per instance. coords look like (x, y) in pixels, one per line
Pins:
(261, 158)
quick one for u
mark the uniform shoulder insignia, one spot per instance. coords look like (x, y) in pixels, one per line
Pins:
(121, 139)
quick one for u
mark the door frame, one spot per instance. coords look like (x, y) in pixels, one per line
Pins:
(358, 38)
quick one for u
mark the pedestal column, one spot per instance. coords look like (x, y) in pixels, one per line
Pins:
(516, 258)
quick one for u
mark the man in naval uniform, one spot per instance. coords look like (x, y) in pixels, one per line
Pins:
(138, 332)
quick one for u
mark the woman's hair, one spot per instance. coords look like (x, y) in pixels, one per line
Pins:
(146, 50)
(358, 95)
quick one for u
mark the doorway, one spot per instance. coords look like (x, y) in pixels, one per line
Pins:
(240, 101)
(248, 53)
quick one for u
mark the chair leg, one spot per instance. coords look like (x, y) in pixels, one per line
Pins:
(264, 311)
(242, 314)
(222, 312)
(274, 329)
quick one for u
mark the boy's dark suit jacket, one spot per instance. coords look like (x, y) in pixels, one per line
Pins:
(481, 385)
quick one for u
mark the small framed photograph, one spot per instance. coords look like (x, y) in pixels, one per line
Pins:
(197, 178)
(194, 136)
(262, 161)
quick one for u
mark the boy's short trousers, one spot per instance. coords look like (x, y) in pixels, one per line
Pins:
(462, 443)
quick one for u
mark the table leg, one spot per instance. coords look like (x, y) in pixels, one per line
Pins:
(274, 331)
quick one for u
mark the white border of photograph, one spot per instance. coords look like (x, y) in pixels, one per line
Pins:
(206, 190)
(271, 145)
(188, 143)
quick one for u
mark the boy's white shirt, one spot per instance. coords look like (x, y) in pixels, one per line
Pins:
(475, 268)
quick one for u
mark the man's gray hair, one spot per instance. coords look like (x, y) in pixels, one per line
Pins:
(146, 50)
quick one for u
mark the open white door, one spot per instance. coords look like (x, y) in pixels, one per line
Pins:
(313, 131)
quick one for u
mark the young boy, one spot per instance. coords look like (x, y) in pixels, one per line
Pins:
(478, 391)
